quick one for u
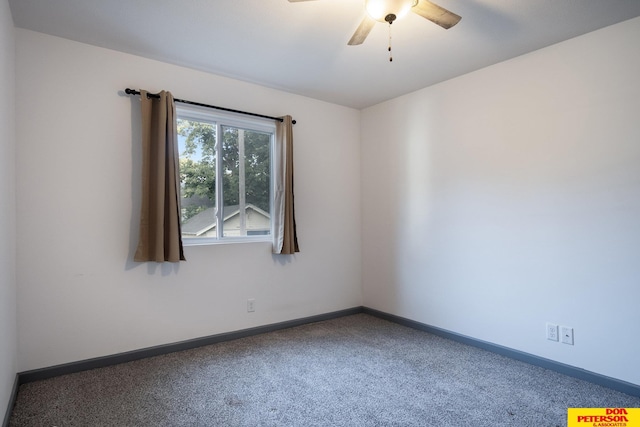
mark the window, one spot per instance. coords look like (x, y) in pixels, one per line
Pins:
(226, 183)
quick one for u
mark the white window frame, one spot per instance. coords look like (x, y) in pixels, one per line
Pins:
(219, 119)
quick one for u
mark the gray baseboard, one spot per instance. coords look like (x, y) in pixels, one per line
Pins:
(552, 365)
(12, 401)
(114, 359)
(99, 362)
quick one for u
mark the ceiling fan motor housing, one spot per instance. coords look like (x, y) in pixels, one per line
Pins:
(388, 10)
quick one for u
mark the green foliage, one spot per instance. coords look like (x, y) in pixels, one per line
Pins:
(257, 158)
(197, 166)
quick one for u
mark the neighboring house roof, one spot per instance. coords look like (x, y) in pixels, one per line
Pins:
(206, 220)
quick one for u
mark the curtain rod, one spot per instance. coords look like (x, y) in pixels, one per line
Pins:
(199, 104)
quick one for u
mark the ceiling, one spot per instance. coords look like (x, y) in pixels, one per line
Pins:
(302, 47)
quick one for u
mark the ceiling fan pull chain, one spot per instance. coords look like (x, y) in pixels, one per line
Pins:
(390, 57)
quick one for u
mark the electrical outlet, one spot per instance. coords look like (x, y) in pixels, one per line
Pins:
(251, 305)
(552, 332)
(567, 334)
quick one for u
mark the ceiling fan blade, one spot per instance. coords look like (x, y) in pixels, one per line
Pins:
(436, 14)
(362, 31)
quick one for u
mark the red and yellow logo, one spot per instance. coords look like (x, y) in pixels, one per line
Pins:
(603, 417)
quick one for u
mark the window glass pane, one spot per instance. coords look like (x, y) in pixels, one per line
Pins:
(196, 144)
(247, 185)
(231, 181)
(257, 160)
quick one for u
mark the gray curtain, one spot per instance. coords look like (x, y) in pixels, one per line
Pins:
(285, 239)
(160, 236)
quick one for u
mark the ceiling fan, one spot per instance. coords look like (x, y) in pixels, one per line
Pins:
(390, 10)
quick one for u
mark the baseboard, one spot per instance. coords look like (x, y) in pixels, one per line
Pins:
(552, 365)
(12, 401)
(101, 362)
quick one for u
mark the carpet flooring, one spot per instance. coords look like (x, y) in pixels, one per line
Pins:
(352, 371)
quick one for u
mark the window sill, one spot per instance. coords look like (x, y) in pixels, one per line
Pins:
(200, 241)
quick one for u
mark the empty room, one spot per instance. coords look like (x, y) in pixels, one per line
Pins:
(319, 213)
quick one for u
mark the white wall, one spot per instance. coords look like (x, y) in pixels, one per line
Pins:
(79, 293)
(8, 340)
(509, 197)
(492, 203)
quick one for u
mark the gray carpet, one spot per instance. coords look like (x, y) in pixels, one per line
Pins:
(352, 371)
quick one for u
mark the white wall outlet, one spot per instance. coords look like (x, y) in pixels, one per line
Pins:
(552, 332)
(567, 334)
(251, 305)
